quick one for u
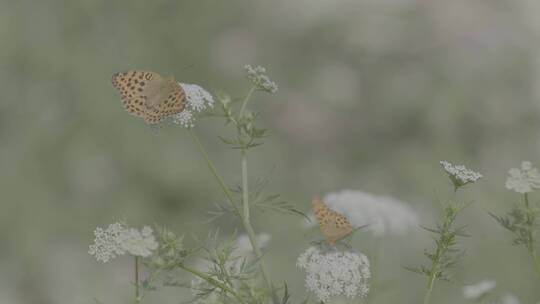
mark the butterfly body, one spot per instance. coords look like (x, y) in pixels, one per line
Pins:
(148, 95)
(333, 225)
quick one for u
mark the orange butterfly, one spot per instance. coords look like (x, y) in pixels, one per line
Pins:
(334, 226)
(148, 95)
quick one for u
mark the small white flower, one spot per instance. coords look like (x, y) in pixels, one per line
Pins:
(138, 243)
(106, 245)
(118, 240)
(459, 174)
(335, 273)
(479, 289)
(383, 215)
(258, 78)
(184, 118)
(523, 180)
(198, 99)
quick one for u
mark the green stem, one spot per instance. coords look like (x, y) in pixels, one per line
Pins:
(212, 281)
(531, 244)
(245, 189)
(137, 295)
(441, 250)
(213, 169)
(247, 225)
(429, 290)
(245, 102)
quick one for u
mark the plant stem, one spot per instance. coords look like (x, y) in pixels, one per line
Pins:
(441, 250)
(531, 246)
(213, 170)
(245, 102)
(431, 282)
(247, 225)
(212, 281)
(137, 296)
(245, 189)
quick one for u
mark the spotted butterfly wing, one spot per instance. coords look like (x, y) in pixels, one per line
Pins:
(333, 225)
(148, 95)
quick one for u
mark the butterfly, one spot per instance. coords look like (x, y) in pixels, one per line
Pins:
(334, 226)
(148, 95)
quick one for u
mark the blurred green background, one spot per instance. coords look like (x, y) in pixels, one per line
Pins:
(372, 94)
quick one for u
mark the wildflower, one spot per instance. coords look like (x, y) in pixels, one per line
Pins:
(523, 180)
(459, 174)
(106, 245)
(259, 79)
(383, 215)
(335, 273)
(138, 243)
(479, 289)
(197, 100)
(118, 239)
(185, 119)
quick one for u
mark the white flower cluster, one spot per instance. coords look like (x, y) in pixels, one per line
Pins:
(459, 174)
(479, 289)
(258, 77)
(523, 180)
(198, 100)
(118, 239)
(335, 273)
(383, 215)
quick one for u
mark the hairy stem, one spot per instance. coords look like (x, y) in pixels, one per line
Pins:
(212, 281)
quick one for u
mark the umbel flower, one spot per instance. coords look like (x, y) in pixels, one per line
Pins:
(197, 100)
(383, 215)
(118, 239)
(335, 273)
(259, 79)
(478, 290)
(523, 180)
(459, 174)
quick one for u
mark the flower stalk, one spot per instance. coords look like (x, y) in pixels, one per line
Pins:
(245, 219)
(531, 242)
(137, 284)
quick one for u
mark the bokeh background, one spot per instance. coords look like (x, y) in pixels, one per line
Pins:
(372, 94)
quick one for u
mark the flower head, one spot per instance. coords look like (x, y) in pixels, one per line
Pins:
(106, 245)
(259, 79)
(383, 215)
(335, 273)
(479, 289)
(197, 100)
(138, 243)
(118, 239)
(523, 180)
(459, 174)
